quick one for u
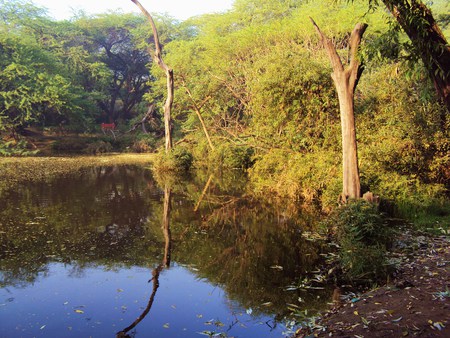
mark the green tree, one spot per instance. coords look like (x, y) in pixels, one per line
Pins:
(30, 84)
(110, 41)
(428, 41)
(41, 69)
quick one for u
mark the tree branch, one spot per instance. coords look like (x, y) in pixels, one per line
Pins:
(336, 62)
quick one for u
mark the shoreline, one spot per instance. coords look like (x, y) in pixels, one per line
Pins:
(415, 303)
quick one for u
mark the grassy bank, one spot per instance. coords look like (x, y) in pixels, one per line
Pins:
(14, 170)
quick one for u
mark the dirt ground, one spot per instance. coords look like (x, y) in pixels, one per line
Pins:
(415, 303)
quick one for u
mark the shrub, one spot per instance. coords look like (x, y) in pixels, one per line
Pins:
(70, 145)
(99, 147)
(232, 157)
(177, 160)
(13, 148)
(144, 143)
(313, 178)
(363, 235)
(140, 146)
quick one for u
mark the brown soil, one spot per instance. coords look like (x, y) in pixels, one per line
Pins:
(416, 303)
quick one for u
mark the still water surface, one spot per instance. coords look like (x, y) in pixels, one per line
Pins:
(112, 253)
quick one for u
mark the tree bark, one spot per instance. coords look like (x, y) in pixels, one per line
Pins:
(346, 80)
(418, 23)
(157, 57)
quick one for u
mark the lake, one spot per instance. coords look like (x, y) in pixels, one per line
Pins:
(114, 252)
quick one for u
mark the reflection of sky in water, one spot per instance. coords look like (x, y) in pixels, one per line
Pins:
(99, 303)
(107, 220)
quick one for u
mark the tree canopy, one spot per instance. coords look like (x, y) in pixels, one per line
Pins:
(254, 79)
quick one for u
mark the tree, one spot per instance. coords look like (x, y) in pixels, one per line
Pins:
(110, 41)
(429, 42)
(157, 56)
(31, 81)
(346, 80)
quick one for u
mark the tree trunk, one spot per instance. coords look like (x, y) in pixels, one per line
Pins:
(346, 80)
(166, 226)
(157, 57)
(417, 21)
(165, 264)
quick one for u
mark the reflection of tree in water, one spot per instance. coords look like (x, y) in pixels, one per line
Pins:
(94, 217)
(112, 217)
(251, 249)
(163, 265)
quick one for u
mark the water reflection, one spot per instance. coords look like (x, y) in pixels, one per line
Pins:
(112, 221)
(164, 264)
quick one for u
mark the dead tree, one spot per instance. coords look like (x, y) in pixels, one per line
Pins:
(346, 79)
(157, 57)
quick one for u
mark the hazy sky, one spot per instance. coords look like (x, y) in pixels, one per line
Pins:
(179, 9)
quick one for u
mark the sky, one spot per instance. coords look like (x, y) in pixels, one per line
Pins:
(179, 9)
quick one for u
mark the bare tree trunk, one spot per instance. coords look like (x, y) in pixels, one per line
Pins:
(346, 80)
(165, 264)
(157, 57)
(166, 226)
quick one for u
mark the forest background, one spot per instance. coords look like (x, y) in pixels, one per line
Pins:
(252, 91)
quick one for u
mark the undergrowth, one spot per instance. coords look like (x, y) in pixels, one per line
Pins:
(363, 236)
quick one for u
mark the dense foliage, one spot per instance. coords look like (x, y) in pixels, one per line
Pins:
(259, 79)
(363, 237)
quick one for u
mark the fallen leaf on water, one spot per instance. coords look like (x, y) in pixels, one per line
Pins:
(365, 321)
(79, 311)
(397, 320)
(166, 325)
(42, 327)
(355, 313)
(438, 325)
(291, 288)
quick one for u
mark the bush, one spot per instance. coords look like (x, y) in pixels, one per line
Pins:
(231, 157)
(99, 147)
(312, 178)
(144, 143)
(363, 235)
(177, 160)
(13, 148)
(71, 145)
(140, 146)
